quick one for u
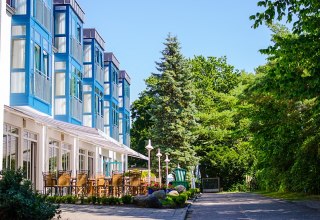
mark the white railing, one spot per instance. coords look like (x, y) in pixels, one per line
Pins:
(76, 108)
(76, 50)
(99, 74)
(41, 86)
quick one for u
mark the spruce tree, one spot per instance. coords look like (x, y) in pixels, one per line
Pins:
(173, 111)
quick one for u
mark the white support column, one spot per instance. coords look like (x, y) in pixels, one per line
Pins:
(42, 162)
(75, 150)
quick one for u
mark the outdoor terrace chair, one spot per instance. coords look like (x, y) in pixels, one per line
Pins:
(102, 185)
(81, 184)
(180, 177)
(49, 181)
(135, 182)
(117, 184)
(64, 181)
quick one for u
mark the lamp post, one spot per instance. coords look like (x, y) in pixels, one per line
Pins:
(167, 161)
(159, 155)
(149, 148)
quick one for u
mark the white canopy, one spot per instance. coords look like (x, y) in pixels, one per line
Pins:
(84, 133)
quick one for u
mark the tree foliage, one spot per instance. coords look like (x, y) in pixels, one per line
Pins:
(223, 138)
(19, 201)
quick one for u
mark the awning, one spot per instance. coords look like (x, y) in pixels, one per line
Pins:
(84, 133)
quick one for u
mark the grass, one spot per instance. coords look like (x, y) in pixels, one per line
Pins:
(292, 196)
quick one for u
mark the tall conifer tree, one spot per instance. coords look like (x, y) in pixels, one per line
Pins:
(173, 111)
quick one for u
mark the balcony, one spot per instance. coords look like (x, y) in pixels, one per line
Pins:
(99, 75)
(76, 108)
(76, 50)
(41, 86)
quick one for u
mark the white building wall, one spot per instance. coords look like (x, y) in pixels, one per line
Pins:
(5, 54)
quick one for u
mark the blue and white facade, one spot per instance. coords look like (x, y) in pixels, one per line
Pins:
(111, 95)
(68, 65)
(32, 55)
(93, 79)
(124, 108)
(53, 92)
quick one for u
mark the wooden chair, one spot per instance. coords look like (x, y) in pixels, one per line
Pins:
(117, 184)
(50, 181)
(81, 184)
(102, 185)
(135, 182)
(64, 181)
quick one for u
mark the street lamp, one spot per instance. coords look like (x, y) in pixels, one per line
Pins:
(167, 161)
(159, 155)
(149, 148)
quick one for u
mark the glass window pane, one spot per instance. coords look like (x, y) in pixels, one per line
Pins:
(87, 88)
(87, 71)
(45, 63)
(60, 23)
(87, 120)
(60, 44)
(17, 82)
(60, 84)
(18, 53)
(87, 53)
(106, 89)
(87, 103)
(60, 106)
(60, 65)
(18, 30)
(37, 57)
(21, 7)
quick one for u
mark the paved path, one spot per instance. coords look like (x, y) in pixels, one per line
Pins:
(247, 206)
(91, 212)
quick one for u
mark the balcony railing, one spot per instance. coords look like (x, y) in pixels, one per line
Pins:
(99, 76)
(99, 122)
(76, 108)
(76, 50)
(41, 86)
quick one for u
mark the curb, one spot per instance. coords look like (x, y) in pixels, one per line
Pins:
(308, 204)
(184, 214)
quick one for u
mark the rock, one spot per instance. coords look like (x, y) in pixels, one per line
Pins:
(173, 193)
(180, 188)
(160, 194)
(148, 201)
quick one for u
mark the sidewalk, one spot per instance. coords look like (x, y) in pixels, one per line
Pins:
(96, 212)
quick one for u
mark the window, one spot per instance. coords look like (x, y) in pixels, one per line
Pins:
(17, 82)
(82, 159)
(53, 156)
(87, 53)
(87, 88)
(18, 30)
(106, 74)
(78, 33)
(60, 106)
(87, 103)
(106, 89)
(18, 53)
(60, 44)
(66, 156)
(45, 63)
(21, 7)
(87, 120)
(96, 54)
(37, 57)
(29, 148)
(10, 147)
(87, 71)
(106, 116)
(60, 84)
(90, 163)
(61, 65)
(60, 23)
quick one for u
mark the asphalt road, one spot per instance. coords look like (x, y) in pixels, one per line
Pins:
(247, 206)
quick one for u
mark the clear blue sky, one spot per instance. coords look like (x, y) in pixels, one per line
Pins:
(134, 31)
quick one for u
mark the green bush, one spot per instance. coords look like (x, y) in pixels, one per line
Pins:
(94, 199)
(71, 199)
(104, 200)
(126, 199)
(113, 201)
(168, 202)
(98, 200)
(19, 201)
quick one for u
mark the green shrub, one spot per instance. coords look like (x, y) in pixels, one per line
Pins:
(89, 199)
(71, 199)
(126, 199)
(185, 196)
(19, 201)
(179, 200)
(58, 199)
(113, 200)
(98, 200)
(50, 199)
(104, 200)
(168, 202)
(94, 199)
(63, 199)
(82, 200)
